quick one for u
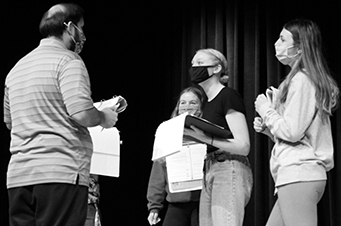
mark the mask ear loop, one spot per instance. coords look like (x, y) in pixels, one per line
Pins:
(296, 54)
(82, 35)
(68, 24)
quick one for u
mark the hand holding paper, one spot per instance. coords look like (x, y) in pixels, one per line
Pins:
(117, 103)
(106, 156)
(110, 108)
(109, 118)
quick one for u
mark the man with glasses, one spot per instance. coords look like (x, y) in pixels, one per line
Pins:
(47, 108)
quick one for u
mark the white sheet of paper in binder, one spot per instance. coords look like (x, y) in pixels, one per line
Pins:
(185, 168)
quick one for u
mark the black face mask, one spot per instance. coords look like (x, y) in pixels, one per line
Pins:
(199, 74)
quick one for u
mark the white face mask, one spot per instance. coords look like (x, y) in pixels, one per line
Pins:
(284, 57)
(79, 43)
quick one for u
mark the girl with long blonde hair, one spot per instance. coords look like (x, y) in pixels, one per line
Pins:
(297, 118)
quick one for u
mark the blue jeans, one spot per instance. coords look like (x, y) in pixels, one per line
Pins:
(226, 191)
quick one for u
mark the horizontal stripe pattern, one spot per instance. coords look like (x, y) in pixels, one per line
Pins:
(42, 91)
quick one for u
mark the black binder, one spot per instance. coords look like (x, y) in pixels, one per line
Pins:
(208, 127)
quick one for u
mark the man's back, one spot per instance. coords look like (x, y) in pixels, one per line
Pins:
(43, 90)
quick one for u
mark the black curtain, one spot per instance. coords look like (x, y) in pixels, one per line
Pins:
(245, 32)
(142, 50)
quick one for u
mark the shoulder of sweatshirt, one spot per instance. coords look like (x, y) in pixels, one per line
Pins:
(301, 76)
(302, 82)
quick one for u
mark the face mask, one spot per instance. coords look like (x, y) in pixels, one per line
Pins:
(81, 39)
(192, 110)
(199, 74)
(284, 57)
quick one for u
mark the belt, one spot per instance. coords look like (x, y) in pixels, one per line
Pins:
(222, 156)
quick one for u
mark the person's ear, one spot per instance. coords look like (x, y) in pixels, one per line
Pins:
(299, 49)
(217, 69)
(69, 29)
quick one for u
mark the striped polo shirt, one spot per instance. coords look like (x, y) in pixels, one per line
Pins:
(42, 91)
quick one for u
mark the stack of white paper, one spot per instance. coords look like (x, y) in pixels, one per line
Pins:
(168, 137)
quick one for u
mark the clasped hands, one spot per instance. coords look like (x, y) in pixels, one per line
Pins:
(262, 103)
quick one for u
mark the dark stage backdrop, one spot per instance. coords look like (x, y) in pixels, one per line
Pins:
(142, 51)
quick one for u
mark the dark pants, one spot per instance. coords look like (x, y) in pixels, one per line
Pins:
(52, 204)
(182, 214)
